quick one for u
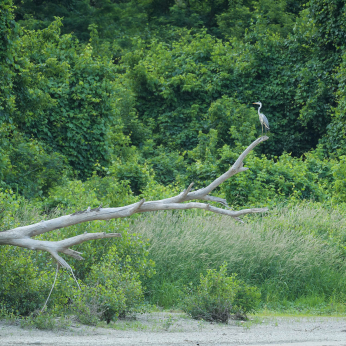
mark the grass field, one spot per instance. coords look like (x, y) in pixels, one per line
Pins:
(295, 255)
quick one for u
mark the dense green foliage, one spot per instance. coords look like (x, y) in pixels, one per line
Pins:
(111, 272)
(168, 88)
(218, 296)
(161, 78)
(110, 101)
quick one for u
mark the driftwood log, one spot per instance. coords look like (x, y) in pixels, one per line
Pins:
(23, 236)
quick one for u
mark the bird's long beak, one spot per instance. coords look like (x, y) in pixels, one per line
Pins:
(255, 103)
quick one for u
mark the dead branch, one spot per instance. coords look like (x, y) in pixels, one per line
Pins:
(22, 236)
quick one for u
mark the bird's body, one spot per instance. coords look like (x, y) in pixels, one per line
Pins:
(263, 119)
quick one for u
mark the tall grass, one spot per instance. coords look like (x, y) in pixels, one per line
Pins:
(290, 253)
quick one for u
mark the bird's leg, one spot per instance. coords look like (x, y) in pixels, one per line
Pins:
(262, 129)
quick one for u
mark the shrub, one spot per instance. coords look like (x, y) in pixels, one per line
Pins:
(246, 300)
(29, 166)
(112, 269)
(131, 171)
(218, 295)
(91, 303)
(339, 185)
(111, 292)
(72, 103)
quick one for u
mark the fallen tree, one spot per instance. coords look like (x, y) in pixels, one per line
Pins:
(24, 236)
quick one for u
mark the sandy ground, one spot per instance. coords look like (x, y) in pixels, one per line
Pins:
(177, 330)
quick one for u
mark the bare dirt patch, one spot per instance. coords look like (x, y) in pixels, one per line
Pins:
(176, 329)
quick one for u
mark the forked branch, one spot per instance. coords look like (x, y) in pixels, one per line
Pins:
(22, 236)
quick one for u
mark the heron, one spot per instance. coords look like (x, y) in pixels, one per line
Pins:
(263, 119)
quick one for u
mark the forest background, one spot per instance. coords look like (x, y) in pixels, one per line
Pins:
(111, 101)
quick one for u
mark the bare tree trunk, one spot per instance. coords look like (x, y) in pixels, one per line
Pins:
(22, 236)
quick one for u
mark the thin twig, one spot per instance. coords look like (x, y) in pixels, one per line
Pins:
(75, 279)
(56, 275)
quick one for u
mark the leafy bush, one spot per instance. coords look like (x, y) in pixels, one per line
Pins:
(111, 287)
(68, 98)
(21, 289)
(118, 284)
(86, 306)
(110, 293)
(246, 300)
(24, 286)
(28, 166)
(269, 181)
(9, 31)
(108, 266)
(132, 172)
(339, 185)
(218, 295)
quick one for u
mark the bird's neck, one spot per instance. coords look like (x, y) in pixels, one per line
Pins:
(259, 109)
